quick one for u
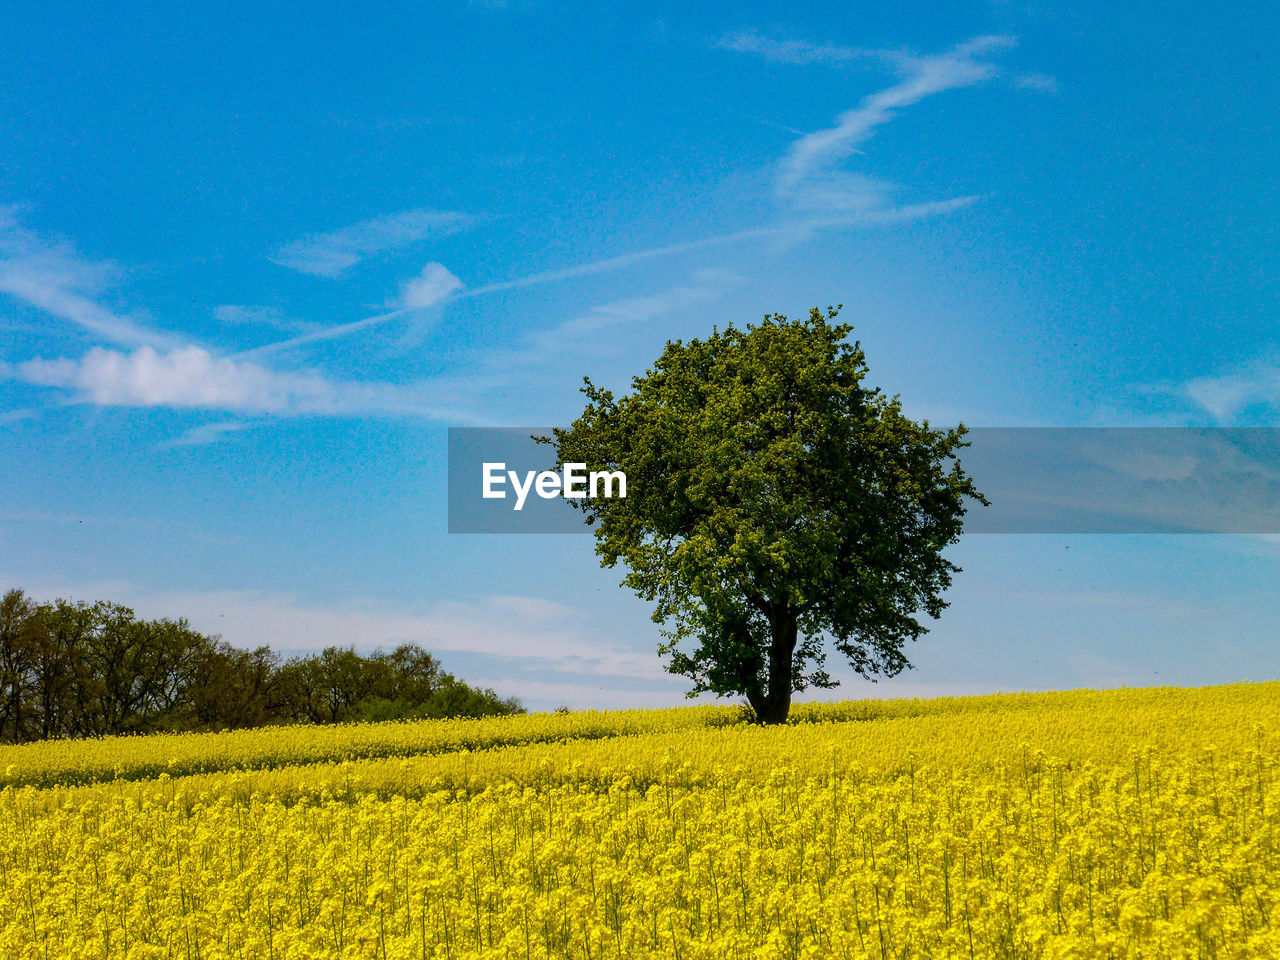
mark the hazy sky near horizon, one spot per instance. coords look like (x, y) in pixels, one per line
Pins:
(255, 261)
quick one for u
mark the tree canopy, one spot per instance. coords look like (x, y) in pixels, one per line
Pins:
(775, 502)
(74, 669)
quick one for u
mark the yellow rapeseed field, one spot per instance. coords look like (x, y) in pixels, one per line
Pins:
(1128, 823)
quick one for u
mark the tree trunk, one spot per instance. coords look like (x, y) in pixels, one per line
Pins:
(775, 704)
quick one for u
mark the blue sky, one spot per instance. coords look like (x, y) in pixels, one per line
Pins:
(253, 263)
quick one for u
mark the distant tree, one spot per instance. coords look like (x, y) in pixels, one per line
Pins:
(180, 650)
(17, 662)
(773, 500)
(119, 670)
(227, 687)
(453, 698)
(313, 691)
(62, 633)
(75, 669)
(339, 684)
(415, 673)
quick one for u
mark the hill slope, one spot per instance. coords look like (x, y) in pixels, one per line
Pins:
(1116, 823)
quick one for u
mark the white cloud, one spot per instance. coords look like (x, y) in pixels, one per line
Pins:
(210, 433)
(1242, 393)
(51, 276)
(324, 333)
(801, 52)
(1230, 395)
(865, 216)
(329, 254)
(437, 281)
(622, 261)
(193, 378)
(817, 153)
(1036, 81)
(836, 191)
(235, 314)
(849, 214)
(809, 181)
(600, 330)
(434, 284)
(704, 286)
(8, 417)
(189, 377)
(534, 359)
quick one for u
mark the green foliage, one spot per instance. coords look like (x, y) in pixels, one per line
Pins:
(774, 501)
(339, 684)
(82, 670)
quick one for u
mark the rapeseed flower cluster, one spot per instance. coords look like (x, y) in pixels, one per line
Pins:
(1130, 823)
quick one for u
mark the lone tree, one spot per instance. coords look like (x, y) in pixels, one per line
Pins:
(773, 501)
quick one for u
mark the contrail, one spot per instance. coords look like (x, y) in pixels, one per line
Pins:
(871, 218)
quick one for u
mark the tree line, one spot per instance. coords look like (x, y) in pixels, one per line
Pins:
(77, 669)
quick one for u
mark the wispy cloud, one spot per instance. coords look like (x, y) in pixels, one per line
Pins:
(792, 230)
(703, 286)
(810, 178)
(8, 417)
(1036, 81)
(51, 276)
(210, 433)
(335, 332)
(193, 378)
(434, 284)
(609, 264)
(1229, 396)
(753, 118)
(815, 192)
(329, 254)
(816, 154)
(598, 333)
(576, 271)
(242, 315)
(803, 52)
